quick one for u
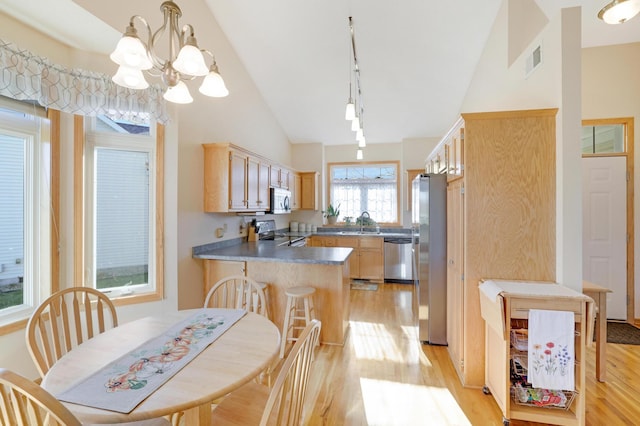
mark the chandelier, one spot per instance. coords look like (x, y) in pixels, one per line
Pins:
(186, 60)
(355, 107)
(619, 11)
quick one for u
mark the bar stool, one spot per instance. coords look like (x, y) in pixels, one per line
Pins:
(296, 313)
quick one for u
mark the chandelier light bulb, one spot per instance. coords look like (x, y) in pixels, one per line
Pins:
(362, 142)
(619, 11)
(131, 52)
(190, 60)
(359, 154)
(213, 84)
(130, 78)
(359, 134)
(178, 94)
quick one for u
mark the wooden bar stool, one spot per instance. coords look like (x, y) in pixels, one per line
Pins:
(298, 314)
(265, 290)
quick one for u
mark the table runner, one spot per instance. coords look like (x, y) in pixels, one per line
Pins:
(126, 382)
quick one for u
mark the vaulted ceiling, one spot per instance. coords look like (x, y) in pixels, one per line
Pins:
(416, 57)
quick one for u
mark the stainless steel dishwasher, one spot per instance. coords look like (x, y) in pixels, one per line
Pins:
(398, 259)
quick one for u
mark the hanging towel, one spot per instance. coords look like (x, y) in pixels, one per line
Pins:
(551, 350)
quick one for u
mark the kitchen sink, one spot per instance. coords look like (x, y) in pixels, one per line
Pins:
(360, 232)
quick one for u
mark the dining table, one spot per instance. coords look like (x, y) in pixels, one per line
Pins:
(599, 294)
(236, 357)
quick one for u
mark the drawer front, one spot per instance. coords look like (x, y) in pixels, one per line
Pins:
(520, 306)
(371, 242)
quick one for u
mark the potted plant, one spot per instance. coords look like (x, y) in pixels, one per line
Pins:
(332, 214)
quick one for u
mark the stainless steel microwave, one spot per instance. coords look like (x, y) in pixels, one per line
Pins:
(279, 201)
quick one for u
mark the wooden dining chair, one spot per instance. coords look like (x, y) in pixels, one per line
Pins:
(66, 319)
(24, 403)
(255, 404)
(237, 292)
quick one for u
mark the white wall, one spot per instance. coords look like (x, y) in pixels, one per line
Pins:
(554, 84)
(610, 89)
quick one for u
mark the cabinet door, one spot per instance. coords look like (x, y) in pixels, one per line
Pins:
(253, 183)
(455, 282)
(215, 270)
(263, 186)
(274, 176)
(284, 178)
(309, 191)
(237, 180)
(371, 258)
(296, 191)
(354, 259)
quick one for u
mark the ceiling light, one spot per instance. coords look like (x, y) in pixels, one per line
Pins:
(619, 11)
(359, 154)
(355, 124)
(362, 143)
(134, 56)
(350, 113)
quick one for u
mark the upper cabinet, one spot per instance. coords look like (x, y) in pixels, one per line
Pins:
(279, 177)
(448, 156)
(236, 180)
(309, 191)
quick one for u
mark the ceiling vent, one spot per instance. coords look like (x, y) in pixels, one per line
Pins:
(533, 60)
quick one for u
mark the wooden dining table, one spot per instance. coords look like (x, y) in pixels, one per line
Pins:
(233, 359)
(599, 295)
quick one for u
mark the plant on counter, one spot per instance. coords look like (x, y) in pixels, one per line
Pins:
(365, 221)
(331, 211)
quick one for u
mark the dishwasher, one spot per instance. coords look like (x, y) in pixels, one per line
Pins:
(398, 259)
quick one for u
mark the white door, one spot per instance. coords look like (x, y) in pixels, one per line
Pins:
(604, 206)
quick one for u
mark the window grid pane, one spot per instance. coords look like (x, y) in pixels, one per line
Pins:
(12, 212)
(371, 188)
(122, 218)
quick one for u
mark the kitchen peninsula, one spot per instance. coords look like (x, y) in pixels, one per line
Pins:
(324, 268)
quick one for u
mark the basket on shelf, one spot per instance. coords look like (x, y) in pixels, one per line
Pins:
(520, 339)
(543, 398)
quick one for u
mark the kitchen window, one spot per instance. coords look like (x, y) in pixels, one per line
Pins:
(371, 187)
(122, 235)
(26, 209)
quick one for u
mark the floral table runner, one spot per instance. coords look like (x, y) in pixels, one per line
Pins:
(127, 381)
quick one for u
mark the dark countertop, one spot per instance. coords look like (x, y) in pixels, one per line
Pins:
(268, 251)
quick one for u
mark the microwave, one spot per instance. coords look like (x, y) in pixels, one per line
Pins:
(279, 201)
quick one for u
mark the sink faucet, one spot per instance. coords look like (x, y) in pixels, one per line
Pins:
(362, 219)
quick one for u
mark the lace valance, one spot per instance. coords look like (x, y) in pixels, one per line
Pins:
(25, 76)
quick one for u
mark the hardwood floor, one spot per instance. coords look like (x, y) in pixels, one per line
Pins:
(384, 376)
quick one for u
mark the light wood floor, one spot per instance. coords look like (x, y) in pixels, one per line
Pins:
(384, 376)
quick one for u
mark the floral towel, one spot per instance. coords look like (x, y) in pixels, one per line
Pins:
(551, 350)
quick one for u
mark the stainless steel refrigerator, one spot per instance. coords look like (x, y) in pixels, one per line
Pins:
(429, 216)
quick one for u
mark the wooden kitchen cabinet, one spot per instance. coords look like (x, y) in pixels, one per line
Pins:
(371, 258)
(367, 259)
(257, 185)
(234, 179)
(279, 177)
(296, 189)
(500, 218)
(309, 190)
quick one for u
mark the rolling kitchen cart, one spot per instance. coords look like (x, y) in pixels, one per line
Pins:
(505, 308)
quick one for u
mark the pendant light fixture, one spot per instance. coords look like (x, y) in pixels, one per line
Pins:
(355, 106)
(185, 61)
(619, 11)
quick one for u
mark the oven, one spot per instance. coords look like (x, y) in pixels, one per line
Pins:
(266, 230)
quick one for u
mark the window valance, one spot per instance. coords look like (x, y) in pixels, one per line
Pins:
(25, 76)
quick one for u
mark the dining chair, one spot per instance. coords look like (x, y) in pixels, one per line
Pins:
(24, 403)
(282, 405)
(66, 319)
(237, 292)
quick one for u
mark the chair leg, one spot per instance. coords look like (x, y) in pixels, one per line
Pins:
(287, 326)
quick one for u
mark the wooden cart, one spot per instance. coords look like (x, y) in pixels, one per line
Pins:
(509, 310)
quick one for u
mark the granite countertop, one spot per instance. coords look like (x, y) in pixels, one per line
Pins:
(268, 251)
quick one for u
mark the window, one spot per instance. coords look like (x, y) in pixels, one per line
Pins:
(603, 138)
(25, 206)
(121, 229)
(371, 187)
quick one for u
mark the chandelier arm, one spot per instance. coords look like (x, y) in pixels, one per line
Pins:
(157, 61)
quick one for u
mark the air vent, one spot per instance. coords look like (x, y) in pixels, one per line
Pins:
(534, 60)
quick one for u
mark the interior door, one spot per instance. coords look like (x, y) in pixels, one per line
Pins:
(604, 251)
